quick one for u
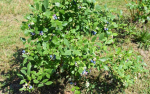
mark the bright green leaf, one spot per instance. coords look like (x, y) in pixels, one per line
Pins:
(29, 68)
(20, 76)
(65, 23)
(33, 76)
(30, 58)
(39, 78)
(62, 11)
(94, 38)
(77, 52)
(103, 59)
(45, 80)
(24, 72)
(36, 81)
(48, 75)
(70, 19)
(40, 85)
(22, 81)
(37, 6)
(101, 37)
(106, 68)
(67, 52)
(57, 4)
(46, 3)
(49, 83)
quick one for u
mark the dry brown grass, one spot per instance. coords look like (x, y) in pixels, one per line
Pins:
(12, 14)
(14, 7)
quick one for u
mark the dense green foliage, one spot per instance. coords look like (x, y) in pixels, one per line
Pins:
(67, 39)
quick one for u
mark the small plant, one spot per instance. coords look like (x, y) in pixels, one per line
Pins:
(139, 10)
(143, 39)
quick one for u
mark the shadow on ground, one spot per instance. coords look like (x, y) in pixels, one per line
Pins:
(10, 85)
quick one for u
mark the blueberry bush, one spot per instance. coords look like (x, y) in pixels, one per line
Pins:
(67, 38)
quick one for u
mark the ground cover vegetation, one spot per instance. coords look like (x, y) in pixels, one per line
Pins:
(79, 47)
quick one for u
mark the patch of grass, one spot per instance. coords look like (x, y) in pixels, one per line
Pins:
(115, 4)
(12, 14)
(14, 7)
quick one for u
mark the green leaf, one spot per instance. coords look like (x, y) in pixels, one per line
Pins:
(77, 92)
(24, 55)
(20, 76)
(95, 25)
(29, 40)
(45, 80)
(40, 85)
(103, 59)
(77, 88)
(99, 44)
(77, 27)
(59, 23)
(115, 34)
(67, 52)
(115, 25)
(33, 72)
(106, 68)
(80, 70)
(33, 76)
(39, 78)
(57, 4)
(77, 52)
(26, 32)
(24, 68)
(44, 45)
(27, 45)
(89, 1)
(94, 38)
(48, 75)
(55, 41)
(58, 57)
(29, 68)
(47, 14)
(37, 6)
(45, 52)
(22, 89)
(70, 19)
(73, 89)
(97, 7)
(49, 83)
(101, 37)
(39, 47)
(24, 72)
(46, 3)
(36, 81)
(30, 58)
(73, 31)
(22, 81)
(66, 42)
(43, 8)
(62, 11)
(28, 77)
(65, 23)
(109, 41)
